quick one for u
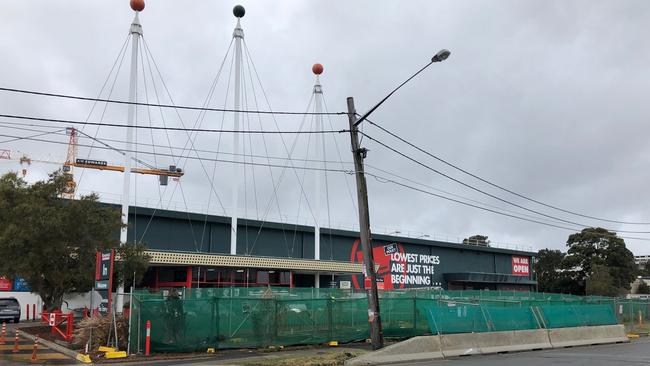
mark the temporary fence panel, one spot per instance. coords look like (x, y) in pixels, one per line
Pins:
(513, 318)
(197, 319)
(456, 318)
(562, 316)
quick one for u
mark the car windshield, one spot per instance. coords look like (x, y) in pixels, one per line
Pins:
(8, 302)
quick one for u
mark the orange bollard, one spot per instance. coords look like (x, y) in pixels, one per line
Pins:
(16, 343)
(4, 331)
(35, 349)
(147, 344)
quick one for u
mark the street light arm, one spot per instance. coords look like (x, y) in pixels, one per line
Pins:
(365, 115)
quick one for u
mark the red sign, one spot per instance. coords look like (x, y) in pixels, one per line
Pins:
(5, 284)
(367, 284)
(396, 267)
(520, 266)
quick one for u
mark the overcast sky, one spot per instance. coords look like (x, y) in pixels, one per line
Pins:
(546, 98)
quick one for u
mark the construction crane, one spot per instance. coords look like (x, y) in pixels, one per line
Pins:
(72, 162)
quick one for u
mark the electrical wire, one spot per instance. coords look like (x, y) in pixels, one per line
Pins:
(199, 158)
(484, 192)
(53, 120)
(387, 180)
(499, 186)
(68, 96)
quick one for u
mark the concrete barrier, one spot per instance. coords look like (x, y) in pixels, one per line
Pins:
(462, 344)
(583, 336)
(413, 349)
(512, 341)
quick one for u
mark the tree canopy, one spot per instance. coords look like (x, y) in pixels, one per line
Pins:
(643, 288)
(590, 252)
(51, 242)
(481, 240)
(601, 282)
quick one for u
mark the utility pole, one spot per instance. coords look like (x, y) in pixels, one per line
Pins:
(358, 154)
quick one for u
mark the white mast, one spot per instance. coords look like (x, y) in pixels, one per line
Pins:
(238, 35)
(136, 33)
(318, 174)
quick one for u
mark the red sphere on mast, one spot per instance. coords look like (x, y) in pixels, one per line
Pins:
(317, 69)
(137, 5)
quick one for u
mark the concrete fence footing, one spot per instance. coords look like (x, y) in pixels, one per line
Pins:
(583, 336)
(463, 344)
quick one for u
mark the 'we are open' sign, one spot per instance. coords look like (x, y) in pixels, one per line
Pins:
(520, 266)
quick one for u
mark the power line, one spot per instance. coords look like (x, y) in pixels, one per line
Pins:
(41, 119)
(378, 177)
(188, 157)
(498, 186)
(13, 125)
(68, 96)
(487, 193)
(386, 180)
(454, 194)
(18, 138)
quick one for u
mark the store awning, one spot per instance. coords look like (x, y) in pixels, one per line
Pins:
(480, 277)
(240, 261)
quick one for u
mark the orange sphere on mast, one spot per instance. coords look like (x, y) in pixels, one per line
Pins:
(137, 5)
(317, 69)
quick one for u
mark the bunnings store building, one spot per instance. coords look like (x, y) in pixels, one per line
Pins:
(193, 251)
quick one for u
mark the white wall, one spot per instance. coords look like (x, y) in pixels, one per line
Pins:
(74, 300)
(25, 298)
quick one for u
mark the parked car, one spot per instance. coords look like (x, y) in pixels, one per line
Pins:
(9, 309)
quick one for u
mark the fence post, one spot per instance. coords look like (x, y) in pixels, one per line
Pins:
(330, 326)
(277, 320)
(415, 316)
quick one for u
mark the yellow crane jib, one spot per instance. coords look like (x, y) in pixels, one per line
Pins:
(103, 165)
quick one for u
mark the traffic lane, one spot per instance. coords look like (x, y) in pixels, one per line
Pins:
(634, 353)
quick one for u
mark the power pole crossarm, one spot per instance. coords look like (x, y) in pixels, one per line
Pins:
(358, 154)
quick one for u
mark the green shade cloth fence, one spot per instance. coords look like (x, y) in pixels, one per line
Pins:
(197, 319)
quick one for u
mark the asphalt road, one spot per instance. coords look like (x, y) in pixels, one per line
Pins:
(634, 353)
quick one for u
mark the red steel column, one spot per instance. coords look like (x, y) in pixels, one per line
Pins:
(188, 280)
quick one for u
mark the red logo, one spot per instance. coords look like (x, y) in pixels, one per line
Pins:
(5, 284)
(382, 260)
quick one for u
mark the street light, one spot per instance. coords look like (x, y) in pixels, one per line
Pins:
(394, 232)
(438, 57)
(358, 154)
(423, 236)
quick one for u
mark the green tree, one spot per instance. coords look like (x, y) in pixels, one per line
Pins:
(480, 240)
(552, 274)
(643, 288)
(597, 246)
(601, 283)
(49, 241)
(546, 267)
(133, 263)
